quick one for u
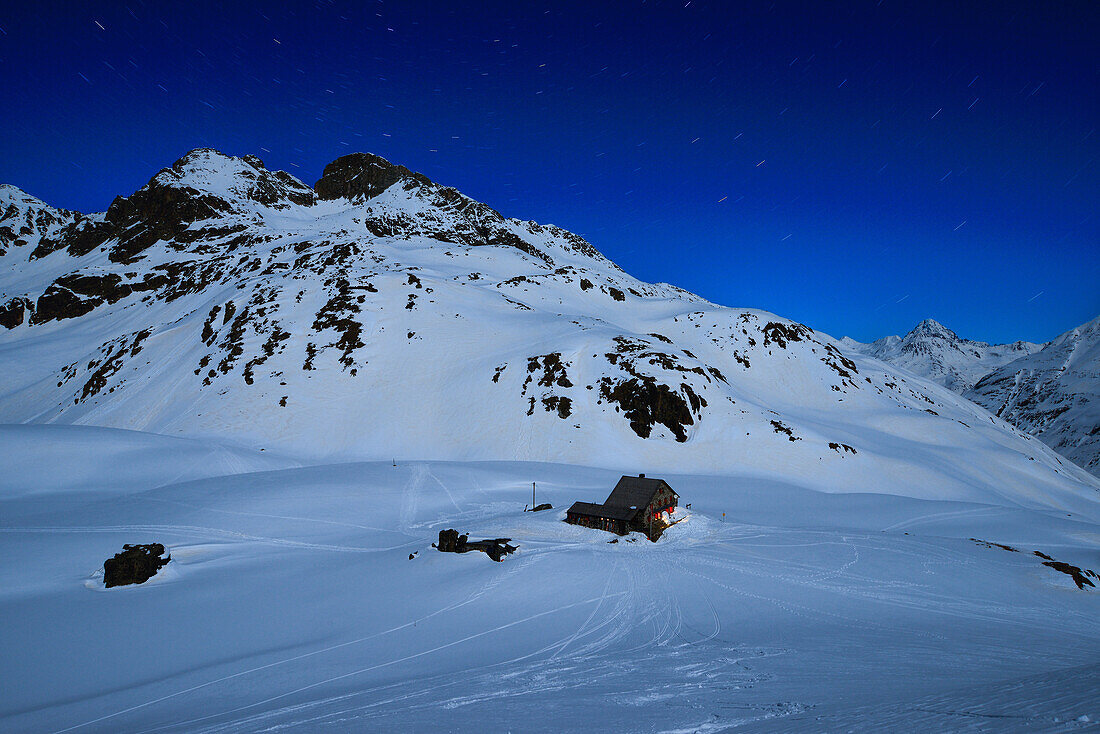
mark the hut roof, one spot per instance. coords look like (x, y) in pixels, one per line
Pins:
(635, 492)
(611, 513)
(630, 497)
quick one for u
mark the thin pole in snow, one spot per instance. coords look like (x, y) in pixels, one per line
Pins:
(532, 494)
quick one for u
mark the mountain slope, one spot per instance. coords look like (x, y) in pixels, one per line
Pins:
(382, 315)
(1053, 394)
(933, 351)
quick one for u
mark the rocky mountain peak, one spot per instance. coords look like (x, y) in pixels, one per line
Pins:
(13, 194)
(25, 220)
(932, 328)
(362, 175)
(934, 351)
(206, 172)
(203, 186)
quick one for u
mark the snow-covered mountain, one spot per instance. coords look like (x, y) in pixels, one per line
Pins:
(1051, 391)
(933, 351)
(857, 548)
(382, 315)
(1053, 394)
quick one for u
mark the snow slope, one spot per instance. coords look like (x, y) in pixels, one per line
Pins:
(272, 348)
(381, 315)
(135, 461)
(936, 353)
(1053, 394)
(291, 603)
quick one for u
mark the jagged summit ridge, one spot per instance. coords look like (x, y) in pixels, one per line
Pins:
(207, 194)
(934, 351)
(1051, 390)
(25, 219)
(933, 328)
(210, 173)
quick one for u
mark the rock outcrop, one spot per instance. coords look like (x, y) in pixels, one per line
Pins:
(136, 564)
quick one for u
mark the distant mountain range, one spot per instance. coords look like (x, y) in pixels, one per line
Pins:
(379, 314)
(1051, 390)
(933, 351)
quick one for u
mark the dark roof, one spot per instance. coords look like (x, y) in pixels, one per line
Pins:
(630, 496)
(635, 492)
(594, 510)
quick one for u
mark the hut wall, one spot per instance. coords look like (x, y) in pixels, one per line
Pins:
(664, 499)
(598, 523)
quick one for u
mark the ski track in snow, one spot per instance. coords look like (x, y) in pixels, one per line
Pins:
(205, 533)
(360, 671)
(668, 632)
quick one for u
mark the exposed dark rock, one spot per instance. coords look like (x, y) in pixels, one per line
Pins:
(61, 303)
(20, 222)
(76, 294)
(79, 238)
(275, 339)
(157, 212)
(840, 364)
(337, 314)
(1079, 577)
(646, 404)
(564, 406)
(779, 427)
(233, 342)
(15, 311)
(108, 287)
(782, 333)
(990, 544)
(543, 506)
(115, 353)
(361, 174)
(553, 370)
(136, 564)
(451, 542)
(617, 294)
(208, 332)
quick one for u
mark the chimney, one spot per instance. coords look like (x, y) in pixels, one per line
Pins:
(641, 476)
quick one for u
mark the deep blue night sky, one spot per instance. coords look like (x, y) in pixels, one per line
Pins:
(854, 166)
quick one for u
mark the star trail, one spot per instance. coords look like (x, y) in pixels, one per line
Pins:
(815, 160)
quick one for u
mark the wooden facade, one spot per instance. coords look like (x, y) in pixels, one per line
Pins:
(636, 504)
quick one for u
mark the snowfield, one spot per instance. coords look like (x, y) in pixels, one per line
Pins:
(291, 602)
(294, 389)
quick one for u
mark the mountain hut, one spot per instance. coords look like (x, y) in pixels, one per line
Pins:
(635, 504)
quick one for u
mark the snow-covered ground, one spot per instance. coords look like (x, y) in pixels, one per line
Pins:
(278, 345)
(291, 601)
